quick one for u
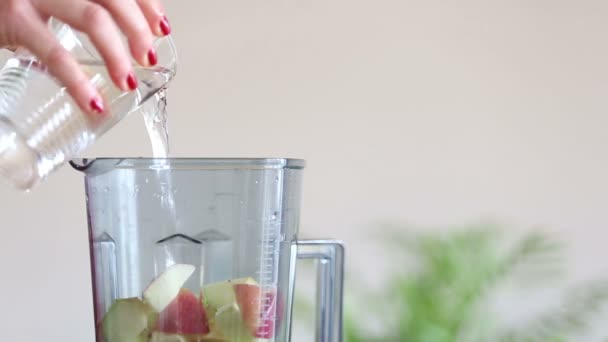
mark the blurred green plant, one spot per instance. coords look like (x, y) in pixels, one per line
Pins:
(442, 283)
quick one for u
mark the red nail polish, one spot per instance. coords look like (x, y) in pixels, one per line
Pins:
(96, 105)
(132, 81)
(152, 59)
(164, 26)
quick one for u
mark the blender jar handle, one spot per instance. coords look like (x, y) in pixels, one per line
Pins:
(330, 283)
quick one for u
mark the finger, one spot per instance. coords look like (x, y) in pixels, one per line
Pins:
(96, 22)
(155, 14)
(39, 40)
(132, 22)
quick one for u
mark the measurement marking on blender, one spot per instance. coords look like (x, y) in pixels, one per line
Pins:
(267, 271)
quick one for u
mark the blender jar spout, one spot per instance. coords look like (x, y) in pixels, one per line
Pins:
(81, 164)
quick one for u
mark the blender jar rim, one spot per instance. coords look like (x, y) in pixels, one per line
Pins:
(99, 165)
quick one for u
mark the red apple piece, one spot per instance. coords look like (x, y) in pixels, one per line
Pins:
(258, 309)
(185, 315)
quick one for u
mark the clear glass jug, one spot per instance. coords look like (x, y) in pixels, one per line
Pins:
(187, 250)
(41, 127)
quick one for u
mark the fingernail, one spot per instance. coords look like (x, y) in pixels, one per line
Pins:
(165, 28)
(152, 59)
(132, 81)
(96, 105)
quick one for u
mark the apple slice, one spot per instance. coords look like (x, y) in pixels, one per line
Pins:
(128, 320)
(268, 319)
(165, 288)
(221, 294)
(185, 315)
(230, 325)
(258, 309)
(161, 337)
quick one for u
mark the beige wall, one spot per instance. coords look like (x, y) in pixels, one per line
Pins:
(428, 112)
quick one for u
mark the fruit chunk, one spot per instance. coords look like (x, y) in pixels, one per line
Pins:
(267, 324)
(185, 315)
(128, 320)
(166, 287)
(221, 294)
(258, 309)
(229, 322)
(161, 337)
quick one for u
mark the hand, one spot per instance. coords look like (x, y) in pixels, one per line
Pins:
(24, 23)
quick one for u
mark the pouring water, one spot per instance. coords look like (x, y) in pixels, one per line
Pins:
(41, 127)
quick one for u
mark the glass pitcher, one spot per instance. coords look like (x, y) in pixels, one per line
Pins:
(41, 127)
(187, 250)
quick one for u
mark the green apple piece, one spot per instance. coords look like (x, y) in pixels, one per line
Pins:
(161, 337)
(128, 320)
(166, 287)
(221, 294)
(229, 323)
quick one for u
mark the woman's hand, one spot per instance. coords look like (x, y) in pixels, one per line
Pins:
(24, 23)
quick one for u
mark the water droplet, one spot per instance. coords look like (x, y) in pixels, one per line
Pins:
(274, 216)
(147, 180)
(241, 202)
(106, 189)
(257, 181)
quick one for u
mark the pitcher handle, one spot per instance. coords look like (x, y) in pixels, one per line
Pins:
(330, 283)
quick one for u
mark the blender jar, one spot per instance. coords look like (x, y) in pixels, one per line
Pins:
(202, 250)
